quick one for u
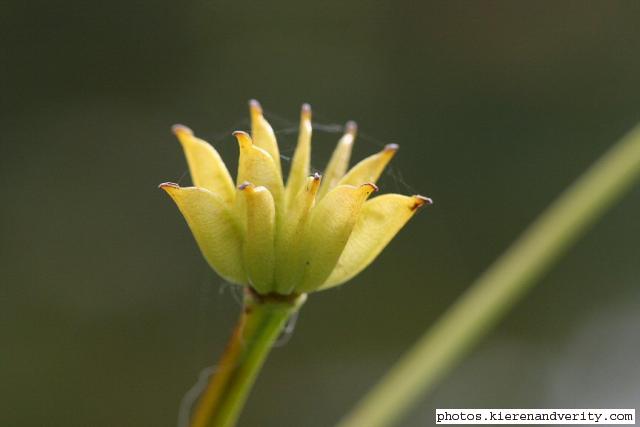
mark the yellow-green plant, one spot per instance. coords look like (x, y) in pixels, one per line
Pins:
(281, 246)
(280, 241)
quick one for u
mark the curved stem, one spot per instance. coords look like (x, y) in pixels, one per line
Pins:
(260, 324)
(501, 286)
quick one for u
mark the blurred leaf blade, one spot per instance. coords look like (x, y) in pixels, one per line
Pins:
(501, 286)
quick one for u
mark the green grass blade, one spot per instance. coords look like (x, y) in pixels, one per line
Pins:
(501, 286)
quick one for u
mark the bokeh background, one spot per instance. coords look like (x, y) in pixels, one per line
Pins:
(107, 310)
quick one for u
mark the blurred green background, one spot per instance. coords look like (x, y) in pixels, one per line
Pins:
(107, 310)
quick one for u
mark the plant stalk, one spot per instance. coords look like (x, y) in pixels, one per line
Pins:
(501, 286)
(263, 318)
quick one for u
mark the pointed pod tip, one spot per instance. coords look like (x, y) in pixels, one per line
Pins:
(371, 186)
(179, 129)
(351, 127)
(169, 186)
(245, 185)
(254, 107)
(313, 183)
(305, 112)
(391, 148)
(249, 190)
(420, 201)
(243, 138)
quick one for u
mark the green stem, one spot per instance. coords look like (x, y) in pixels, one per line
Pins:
(501, 286)
(260, 324)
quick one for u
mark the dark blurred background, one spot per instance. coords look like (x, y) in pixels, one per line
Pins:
(107, 310)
